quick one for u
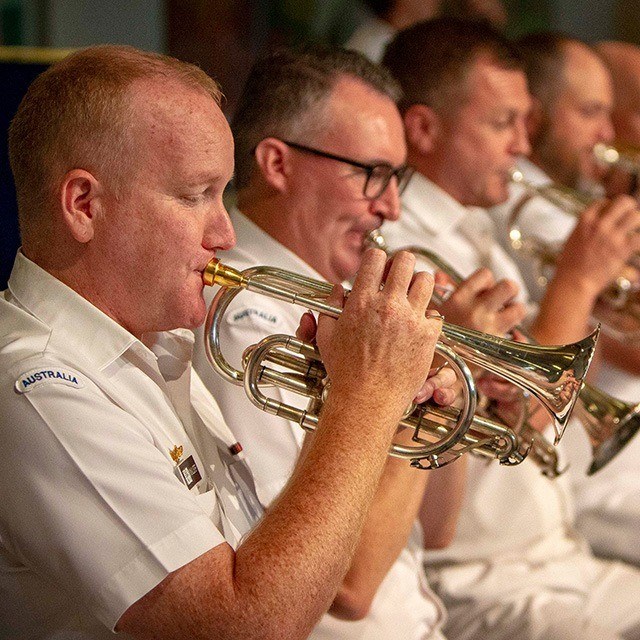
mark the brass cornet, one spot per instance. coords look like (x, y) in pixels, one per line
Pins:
(436, 429)
(609, 423)
(532, 443)
(618, 306)
(621, 155)
(553, 375)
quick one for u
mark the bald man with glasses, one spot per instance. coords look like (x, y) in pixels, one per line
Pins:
(320, 160)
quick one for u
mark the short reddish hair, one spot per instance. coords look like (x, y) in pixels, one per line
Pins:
(76, 115)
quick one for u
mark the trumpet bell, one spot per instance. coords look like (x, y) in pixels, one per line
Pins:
(608, 449)
(554, 375)
(610, 424)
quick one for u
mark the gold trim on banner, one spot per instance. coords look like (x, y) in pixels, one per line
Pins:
(33, 55)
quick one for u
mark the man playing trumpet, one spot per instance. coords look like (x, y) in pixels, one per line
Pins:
(623, 62)
(320, 159)
(574, 100)
(126, 502)
(517, 567)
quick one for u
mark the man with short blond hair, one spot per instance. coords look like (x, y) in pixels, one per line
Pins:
(127, 503)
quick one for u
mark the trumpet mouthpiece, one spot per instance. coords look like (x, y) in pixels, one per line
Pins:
(217, 273)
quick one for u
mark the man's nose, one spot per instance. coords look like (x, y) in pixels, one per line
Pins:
(387, 204)
(218, 232)
(521, 145)
(606, 132)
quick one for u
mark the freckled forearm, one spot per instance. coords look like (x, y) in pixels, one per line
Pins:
(329, 494)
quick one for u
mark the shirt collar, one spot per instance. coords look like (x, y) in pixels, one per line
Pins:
(77, 329)
(431, 207)
(260, 248)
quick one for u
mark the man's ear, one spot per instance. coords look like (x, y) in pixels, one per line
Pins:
(272, 157)
(79, 196)
(422, 128)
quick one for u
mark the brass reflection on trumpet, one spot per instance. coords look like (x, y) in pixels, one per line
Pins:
(608, 422)
(553, 375)
(621, 155)
(300, 370)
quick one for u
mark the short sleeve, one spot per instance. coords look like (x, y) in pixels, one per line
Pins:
(88, 499)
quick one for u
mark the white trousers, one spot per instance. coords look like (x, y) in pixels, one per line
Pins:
(573, 598)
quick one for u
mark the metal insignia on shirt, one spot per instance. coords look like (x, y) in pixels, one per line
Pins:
(186, 470)
(48, 375)
(176, 453)
(190, 472)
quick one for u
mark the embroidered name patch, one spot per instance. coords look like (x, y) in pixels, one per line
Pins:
(252, 315)
(39, 377)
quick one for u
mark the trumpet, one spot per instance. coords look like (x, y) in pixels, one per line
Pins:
(435, 429)
(618, 306)
(553, 375)
(621, 155)
(609, 423)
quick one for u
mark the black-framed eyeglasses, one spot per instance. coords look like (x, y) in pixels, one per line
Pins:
(378, 175)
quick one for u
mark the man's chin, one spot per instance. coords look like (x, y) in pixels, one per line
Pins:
(194, 316)
(587, 171)
(597, 174)
(346, 269)
(198, 319)
(488, 200)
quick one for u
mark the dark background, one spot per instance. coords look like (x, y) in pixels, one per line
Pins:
(224, 37)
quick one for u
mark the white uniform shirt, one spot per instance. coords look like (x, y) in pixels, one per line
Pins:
(93, 514)
(404, 607)
(607, 503)
(371, 38)
(516, 567)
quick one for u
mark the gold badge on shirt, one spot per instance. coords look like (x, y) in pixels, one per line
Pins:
(186, 470)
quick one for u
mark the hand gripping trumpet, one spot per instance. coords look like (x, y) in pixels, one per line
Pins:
(609, 423)
(553, 375)
(618, 306)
